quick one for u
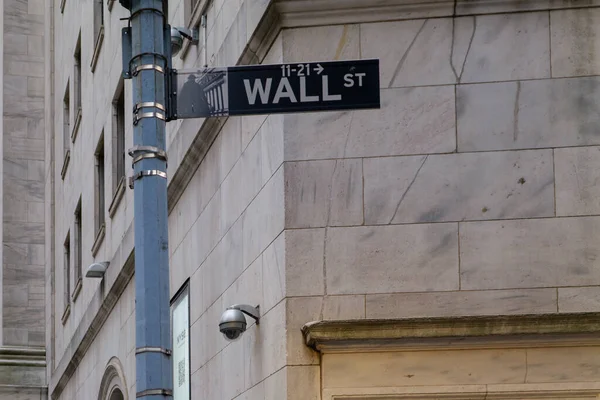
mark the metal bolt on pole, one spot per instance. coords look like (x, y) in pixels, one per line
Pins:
(147, 68)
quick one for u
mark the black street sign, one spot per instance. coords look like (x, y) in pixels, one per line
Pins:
(283, 88)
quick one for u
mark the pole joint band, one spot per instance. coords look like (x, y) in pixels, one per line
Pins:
(153, 114)
(154, 392)
(162, 350)
(147, 67)
(141, 174)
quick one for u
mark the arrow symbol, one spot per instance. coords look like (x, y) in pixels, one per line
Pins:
(319, 69)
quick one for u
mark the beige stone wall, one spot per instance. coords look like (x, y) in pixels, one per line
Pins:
(470, 192)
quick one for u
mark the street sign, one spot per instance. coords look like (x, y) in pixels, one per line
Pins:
(281, 88)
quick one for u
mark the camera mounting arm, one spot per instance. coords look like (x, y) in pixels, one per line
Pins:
(253, 312)
(190, 34)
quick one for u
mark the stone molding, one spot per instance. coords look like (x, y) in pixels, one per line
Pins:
(547, 330)
(22, 367)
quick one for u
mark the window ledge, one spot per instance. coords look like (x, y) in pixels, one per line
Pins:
(97, 48)
(77, 289)
(76, 125)
(63, 171)
(66, 314)
(62, 6)
(116, 200)
(110, 4)
(99, 239)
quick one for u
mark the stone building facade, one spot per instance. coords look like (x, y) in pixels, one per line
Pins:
(22, 277)
(443, 246)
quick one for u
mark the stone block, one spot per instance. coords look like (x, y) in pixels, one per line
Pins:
(35, 212)
(321, 43)
(15, 43)
(15, 126)
(17, 169)
(508, 47)
(304, 251)
(451, 304)
(35, 87)
(24, 190)
(250, 165)
(14, 209)
(577, 192)
(300, 311)
(24, 68)
(582, 299)
(530, 114)
(344, 307)
(15, 295)
(274, 273)
(529, 253)
(232, 370)
(565, 364)
(251, 124)
(421, 368)
(323, 193)
(24, 232)
(247, 289)
(458, 187)
(271, 142)
(410, 121)
(303, 383)
(263, 220)
(418, 52)
(265, 346)
(35, 170)
(14, 85)
(229, 144)
(575, 39)
(411, 258)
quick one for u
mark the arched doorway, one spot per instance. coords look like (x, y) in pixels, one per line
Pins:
(116, 395)
(113, 385)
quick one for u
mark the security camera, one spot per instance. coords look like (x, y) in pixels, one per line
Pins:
(97, 270)
(233, 322)
(177, 36)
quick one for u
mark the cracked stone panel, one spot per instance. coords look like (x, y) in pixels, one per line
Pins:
(508, 47)
(532, 253)
(577, 181)
(530, 114)
(410, 121)
(418, 52)
(575, 42)
(388, 259)
(458, 187)
(323, 193)
(583, 299)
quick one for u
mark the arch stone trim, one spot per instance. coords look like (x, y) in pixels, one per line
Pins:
(114, 377)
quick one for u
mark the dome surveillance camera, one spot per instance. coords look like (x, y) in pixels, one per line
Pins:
(176, 41)
(233, 321)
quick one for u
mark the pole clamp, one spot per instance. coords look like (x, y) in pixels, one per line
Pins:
(154, 392)
(141, 152)
(162, 350)
(141, 174)
(138, 117)
(148, 67)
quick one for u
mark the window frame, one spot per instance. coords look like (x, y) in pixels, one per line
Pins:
(66, 277)
(66, 129)
(118, 167)
(99, 194)
(78, 248)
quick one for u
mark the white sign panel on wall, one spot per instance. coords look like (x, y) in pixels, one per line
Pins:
(180, 322)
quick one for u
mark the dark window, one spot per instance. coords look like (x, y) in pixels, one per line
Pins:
(67, 269)
(78, 242)
(100, 208)
(66, 120)
(118, 138)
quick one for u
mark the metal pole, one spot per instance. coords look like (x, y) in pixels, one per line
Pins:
(148, 66)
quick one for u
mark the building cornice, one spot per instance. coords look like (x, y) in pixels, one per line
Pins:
(23, 367)
(541, 330)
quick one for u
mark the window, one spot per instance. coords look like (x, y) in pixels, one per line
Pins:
(78, 252)
(100, 183)
(116, 395)
(118, 149)
(67, 278)
(98, 20)
(66, 119)
(99, 196)
(77, 88)
(119, 138)
(98, 31)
